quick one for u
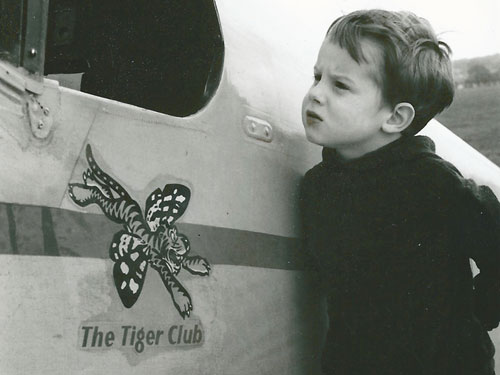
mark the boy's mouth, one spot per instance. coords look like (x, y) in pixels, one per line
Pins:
(312, 117)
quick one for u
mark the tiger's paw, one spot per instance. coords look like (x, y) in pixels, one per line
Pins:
(81, 194)
(197, 265)
(183, 304)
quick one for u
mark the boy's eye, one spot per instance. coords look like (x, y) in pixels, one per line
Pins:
(317, 78)
(341, 85)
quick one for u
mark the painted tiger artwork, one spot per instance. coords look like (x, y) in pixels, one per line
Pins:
(152, 239)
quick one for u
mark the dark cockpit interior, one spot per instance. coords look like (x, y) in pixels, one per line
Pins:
(162, 55)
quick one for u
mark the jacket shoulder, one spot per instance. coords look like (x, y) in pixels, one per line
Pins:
(312, 176)
(439, 176)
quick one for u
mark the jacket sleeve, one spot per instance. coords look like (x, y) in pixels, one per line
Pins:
(482, 237)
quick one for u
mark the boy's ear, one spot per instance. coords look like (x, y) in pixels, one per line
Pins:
(401, 117)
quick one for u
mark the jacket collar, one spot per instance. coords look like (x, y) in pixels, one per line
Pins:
(401, 150)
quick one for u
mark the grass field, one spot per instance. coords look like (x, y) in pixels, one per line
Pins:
(475, 117)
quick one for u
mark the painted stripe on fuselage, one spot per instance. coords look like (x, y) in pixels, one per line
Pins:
(58, 232)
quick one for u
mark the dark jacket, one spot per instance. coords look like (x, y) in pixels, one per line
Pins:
(392, 233)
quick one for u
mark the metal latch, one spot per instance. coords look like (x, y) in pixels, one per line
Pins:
(258, 129)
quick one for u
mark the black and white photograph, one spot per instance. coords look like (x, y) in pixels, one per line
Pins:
(249, 187)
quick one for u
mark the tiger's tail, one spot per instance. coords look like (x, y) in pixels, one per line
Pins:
(101, 189)
(107, 183)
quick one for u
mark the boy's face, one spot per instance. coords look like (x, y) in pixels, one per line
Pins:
(344, 107)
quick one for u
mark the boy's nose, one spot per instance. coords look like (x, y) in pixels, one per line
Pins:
(316, 94)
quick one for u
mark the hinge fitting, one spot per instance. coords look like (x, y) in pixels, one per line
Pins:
(40, 118)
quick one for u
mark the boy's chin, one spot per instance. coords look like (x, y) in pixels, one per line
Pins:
(315, 140)
(312, 140)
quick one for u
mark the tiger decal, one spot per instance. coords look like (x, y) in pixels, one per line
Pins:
(145, 240)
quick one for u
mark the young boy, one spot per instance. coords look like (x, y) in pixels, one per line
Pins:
(390, 224)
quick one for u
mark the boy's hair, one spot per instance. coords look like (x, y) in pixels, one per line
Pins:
(415, 66)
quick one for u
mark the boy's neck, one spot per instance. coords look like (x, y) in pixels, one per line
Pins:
(351, 152)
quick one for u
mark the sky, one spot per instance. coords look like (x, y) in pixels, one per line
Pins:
(471, 28)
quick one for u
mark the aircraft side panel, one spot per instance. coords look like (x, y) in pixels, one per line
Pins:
(242, 322)
(254, 313)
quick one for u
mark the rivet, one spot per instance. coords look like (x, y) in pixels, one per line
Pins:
(46, 111)
(33, 52)
(40, 124)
